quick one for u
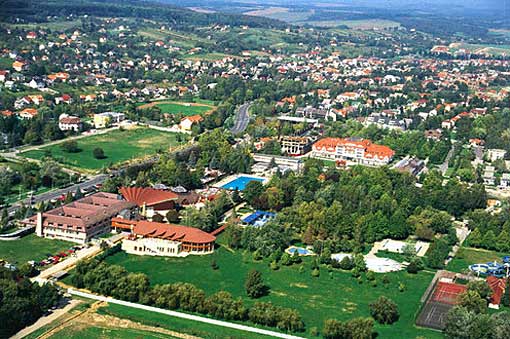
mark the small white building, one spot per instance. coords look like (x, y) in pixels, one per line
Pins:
(69, 123)
(496, 154)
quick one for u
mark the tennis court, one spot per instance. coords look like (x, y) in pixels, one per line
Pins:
(442, 299)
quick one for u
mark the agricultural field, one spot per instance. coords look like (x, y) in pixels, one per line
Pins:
(282, 13)
(30, 247)
(332, 295)
(368, 24)
(467, 256)
(174, 107)
(129, 144)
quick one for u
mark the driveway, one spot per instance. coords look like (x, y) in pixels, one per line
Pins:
(43, 321)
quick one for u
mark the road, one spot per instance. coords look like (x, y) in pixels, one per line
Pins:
(184, 315)
(242, 119)
(444, 166)
(98, 179)
(43, 321)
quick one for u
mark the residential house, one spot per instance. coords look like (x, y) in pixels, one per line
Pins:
(69, 123)
(187, 123)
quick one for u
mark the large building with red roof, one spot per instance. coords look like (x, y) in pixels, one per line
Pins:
(159, 239)
(150, 201)
(82, 219)
(354, 150)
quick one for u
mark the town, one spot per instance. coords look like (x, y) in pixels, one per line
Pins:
(186, 172)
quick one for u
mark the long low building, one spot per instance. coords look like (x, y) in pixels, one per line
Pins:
(159, 239)
(82, 219)
(356, 150)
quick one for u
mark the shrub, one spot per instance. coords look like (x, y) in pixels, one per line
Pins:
(98, 153)
(316, 272)
(384, 310)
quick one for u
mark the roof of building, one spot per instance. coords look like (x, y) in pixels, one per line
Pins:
(173, 232)
(147, 196)
(83, 212)
(371, 150)
(498, 289)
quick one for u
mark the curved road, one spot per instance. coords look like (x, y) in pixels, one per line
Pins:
(242, 119)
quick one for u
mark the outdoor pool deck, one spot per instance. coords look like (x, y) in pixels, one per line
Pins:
(238, 181)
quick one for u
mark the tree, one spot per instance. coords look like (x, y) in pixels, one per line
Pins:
(346, 263)
(70, 146)
(481, 287)
(252, 191)
(254, 285)
(384, 310)
(98, 153)
(472, 301)
(172, 216)
(359, 262)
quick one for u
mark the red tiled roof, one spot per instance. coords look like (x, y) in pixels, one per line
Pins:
(498, 289)
(147, 196)
(193, 118)
(371, 150)
(152, 229)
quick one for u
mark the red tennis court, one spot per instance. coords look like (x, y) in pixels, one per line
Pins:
(448, 293)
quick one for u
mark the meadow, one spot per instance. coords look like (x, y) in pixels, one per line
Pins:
(334, 294)
(118, 146)
(174, 107)
(31, 247)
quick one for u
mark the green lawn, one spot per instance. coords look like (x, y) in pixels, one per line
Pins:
(187, 109)
(118, 146)
(336, 295)
(176, 324)
(30, 247)
(467, 256)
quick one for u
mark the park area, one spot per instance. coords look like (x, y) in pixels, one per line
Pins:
(118, 146)
(29, 248)
(334, 294)
(175, 107)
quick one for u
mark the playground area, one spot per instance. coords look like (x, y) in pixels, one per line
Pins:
(496, 269)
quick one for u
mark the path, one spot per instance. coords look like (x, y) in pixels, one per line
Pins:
(242, 119)
(46, 320)
(444, 166)
(185, 315)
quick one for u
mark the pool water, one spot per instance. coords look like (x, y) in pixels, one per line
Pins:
(240, 183)
(300, 250)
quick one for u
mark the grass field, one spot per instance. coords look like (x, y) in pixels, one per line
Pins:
(173, 107)
(112, 333)
(175, 324)
(332, 295)
(118, 146)
(467, 256)
(30, 247)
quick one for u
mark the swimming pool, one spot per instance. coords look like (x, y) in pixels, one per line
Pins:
(240, 183)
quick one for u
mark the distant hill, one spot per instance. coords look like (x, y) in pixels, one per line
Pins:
(182, 18)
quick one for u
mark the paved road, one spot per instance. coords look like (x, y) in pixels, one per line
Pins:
(242, 119)
(444, 166)
(43, 321)
(185, 315)
(98, 179)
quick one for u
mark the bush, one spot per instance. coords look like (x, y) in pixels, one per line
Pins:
(384, 310)
(412, 268)
(346, 263)
(98, 153)
(254, 285)
(316, 273)
(274, 265)
(214, 265)
(70, 146)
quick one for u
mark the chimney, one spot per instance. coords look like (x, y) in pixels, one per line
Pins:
(39, 225)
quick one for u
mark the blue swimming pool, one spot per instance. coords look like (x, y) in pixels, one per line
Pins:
(300, 250)
(240, 183)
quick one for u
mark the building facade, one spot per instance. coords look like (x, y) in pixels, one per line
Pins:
(355, 151)
(167, 240)
(294, 146)
(80, 220)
